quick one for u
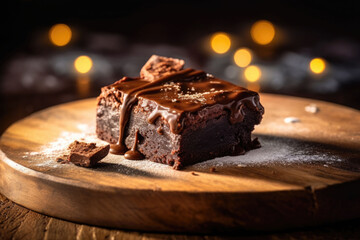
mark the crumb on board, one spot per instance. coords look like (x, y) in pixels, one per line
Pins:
(312, 108)
(291, 120)
(84, 154)
(63, 159)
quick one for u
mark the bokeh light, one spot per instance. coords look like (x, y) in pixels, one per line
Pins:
(252, 73)
(220, 43)
(262, 32)
(83, 64)
(60, 34)
(242, 57)
(317, 65)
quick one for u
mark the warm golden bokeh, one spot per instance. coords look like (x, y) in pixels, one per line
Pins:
(83, 64)
(262, 32)
(252, 73)
(317, 65)
(220, 43)
(60, 34)
(242, 57)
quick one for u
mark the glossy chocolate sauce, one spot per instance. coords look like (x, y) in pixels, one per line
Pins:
(187, 90)
(133, 153)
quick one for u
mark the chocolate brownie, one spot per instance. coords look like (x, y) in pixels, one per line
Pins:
(177, 117)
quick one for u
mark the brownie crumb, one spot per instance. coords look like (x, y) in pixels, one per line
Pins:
(84, 154)
(195, 174)
(312, 108)
(176, 165)
(239, 150)
(157, 67)
(255, 143)
(212, 169)
(63, 159)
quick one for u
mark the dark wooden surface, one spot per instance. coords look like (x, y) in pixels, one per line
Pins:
(17, 222)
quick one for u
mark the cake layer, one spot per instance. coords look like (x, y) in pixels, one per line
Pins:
(206, 134)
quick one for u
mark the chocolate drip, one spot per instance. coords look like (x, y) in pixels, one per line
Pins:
(125, 108)
(133, 153)
(187, 90)
(131, 97)
(170, 117)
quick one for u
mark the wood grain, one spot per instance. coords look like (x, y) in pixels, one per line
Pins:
(268, 196)
(35, 226)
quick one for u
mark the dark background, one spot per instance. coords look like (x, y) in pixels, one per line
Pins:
(138, 29)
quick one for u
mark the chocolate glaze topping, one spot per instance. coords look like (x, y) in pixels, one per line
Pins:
(133, 153)
(187, 90)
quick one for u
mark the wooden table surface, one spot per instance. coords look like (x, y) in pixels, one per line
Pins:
(17, 222)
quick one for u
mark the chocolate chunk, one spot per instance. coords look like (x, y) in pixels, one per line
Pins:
(255, 143)
(84, 154)
(158, 66)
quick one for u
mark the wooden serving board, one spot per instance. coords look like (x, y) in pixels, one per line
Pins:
(306, 173)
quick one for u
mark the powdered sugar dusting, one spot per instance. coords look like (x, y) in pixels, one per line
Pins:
(59, 146)
(274, 150)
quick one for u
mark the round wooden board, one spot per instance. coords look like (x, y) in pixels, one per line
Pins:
(306, 173)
